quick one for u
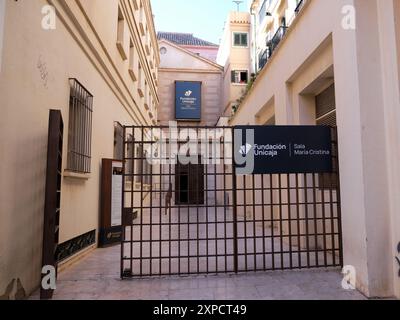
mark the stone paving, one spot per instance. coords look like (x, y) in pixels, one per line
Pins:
(208, 233)
(96, 277)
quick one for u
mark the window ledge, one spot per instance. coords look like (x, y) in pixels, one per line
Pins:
(140, 91)
(121, 50)
(141, 25)
(132, 74)
(75, 175)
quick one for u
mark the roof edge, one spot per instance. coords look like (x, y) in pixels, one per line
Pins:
(214, 64)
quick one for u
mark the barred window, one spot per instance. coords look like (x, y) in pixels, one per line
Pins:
(118, 141)
(80, 128)
(143, 167)
(130, 158)
(139, 163)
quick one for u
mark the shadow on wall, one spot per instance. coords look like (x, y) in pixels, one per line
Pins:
(14, 291)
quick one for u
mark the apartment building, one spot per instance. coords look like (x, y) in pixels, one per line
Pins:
(96, 63)
(270, 20)
(338, 63)
(234, 55)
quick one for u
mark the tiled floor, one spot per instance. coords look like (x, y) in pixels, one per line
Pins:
(97, 277)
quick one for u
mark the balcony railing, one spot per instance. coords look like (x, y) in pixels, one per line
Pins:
(262, 61)
(276, 39)
(271, 46)
(299, 6)
(273, 43)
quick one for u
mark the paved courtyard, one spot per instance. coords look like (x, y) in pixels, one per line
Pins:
(96, 277)
(201, 240)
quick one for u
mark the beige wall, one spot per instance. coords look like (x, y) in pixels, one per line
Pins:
(234, 58)
(396, 8)
(2, 18)
(316, 51)
(389, 16)
(209, 53)
(181, 65)
(36, 67)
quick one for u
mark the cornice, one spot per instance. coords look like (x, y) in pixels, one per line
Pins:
(185, 70)
(205, 60)
(77, 22)
(153, 33)
(137, 39)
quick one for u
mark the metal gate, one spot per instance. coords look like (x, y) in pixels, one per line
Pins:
(201, 218)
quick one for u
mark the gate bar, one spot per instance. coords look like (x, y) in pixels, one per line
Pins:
(235, 230)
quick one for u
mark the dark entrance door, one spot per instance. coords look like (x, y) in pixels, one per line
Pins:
(189, 184)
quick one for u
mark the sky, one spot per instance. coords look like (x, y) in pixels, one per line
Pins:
(204, 18)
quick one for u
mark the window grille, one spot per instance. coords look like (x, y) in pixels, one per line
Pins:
(80, 128)
(118, 141)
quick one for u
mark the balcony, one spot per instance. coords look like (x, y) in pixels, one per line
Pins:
(277, 38)
(262, 61)
(273, 43)
(271, 46)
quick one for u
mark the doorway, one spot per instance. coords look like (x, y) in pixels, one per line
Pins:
(189, 184)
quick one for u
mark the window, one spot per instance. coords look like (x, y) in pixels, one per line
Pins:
(118, 141)
(163, 50)
(142, 19)
(139, 164)
(142, 166)
(140, 81)
(80, 128)
(121, 34)
(131, 69)
(147, 170)
(240, 39)
(129, 162)
(240, 77)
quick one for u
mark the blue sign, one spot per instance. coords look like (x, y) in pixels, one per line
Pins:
(188, 100)
(283, 149)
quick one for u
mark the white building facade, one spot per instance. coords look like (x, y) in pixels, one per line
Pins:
(338, 63)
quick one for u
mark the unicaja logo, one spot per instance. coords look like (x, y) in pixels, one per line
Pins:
(188, 93)
(244, 150)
